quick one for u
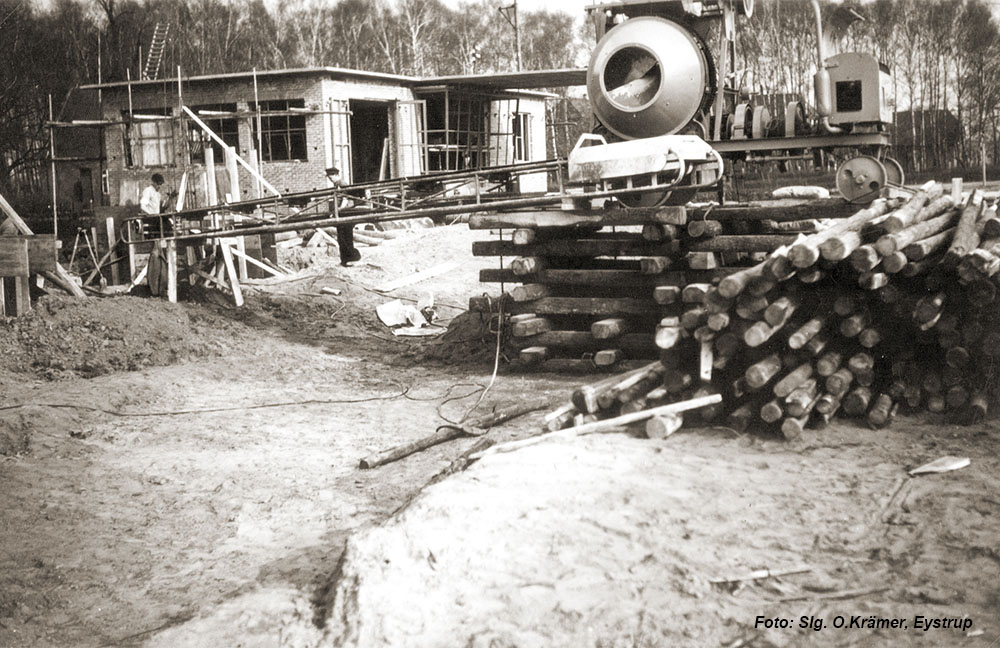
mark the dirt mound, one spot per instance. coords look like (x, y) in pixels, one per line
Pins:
(468, 340)
(65, 337)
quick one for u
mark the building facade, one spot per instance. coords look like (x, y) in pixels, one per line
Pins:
(291, 125)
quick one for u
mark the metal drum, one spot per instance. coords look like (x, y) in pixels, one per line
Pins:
(649, 76)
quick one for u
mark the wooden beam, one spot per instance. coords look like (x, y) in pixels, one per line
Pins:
(578, 218)
(616, 245)
(60, 272)
(234, 282)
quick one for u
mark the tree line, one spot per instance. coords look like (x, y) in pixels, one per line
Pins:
(944, 55)
(50, 51)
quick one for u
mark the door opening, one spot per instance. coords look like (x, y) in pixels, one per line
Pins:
(369, 132)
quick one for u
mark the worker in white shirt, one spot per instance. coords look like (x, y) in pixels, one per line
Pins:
(150, 203)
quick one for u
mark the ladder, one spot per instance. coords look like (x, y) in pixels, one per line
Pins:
(155, 56)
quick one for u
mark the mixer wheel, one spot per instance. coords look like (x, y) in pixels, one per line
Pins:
(760, 123)
(861, 179)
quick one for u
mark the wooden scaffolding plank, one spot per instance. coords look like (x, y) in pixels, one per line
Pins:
(604, 246)
(573, 218)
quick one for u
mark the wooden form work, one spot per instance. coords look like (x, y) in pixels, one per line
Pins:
(21, 257)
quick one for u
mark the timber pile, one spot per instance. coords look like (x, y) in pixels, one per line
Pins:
(892, 308)
(591, 286)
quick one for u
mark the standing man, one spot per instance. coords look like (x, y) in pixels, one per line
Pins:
(345, 233)
(150, 203)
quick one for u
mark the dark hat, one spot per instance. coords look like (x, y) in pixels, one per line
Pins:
(332, 171)
(157, 179)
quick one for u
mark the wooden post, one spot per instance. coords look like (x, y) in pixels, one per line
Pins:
(112, 243)
(172, 271)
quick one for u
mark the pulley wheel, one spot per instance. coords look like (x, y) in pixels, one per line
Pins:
(894, 170)
(861, 179)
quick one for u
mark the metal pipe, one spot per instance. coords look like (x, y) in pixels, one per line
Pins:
(821, 80)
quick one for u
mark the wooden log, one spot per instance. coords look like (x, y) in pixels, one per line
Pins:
(791, 381)
(667, 337)
(839, 382)
(751, 307)
(759, 333)
(873, 280)
(956, 397)
(811, 275)
(894, 262)
(702, 260)
(853, 325)
(727, 344)
(827, 404)
(740, 418)
(817, 345)
(554, 218)
(900, 239)
(862, 365)
(792, 427)
(608, 357)
(966, 237)
(929, 309)
(559, 418)
(779, 312)
(474, 427)
(742, 243)
(534, 355)
(761, 372)
(694, 293)
(797, 401)
(805, 252)
(675, 381)
(977, 408)
(781, 211)
(663, 425)
(659, 232)
(903, 218)
(666, 295)
(530, 326)
(828, 363)
(957, 357)
(865, 258)
(882, 412)
(771, 411)
(704, 228)
(734, 284)
(590, 306)
(654, 265)
(524, 236)
(612, 327)
(527, 265)
(855, 402)
(585, 397)
(869, 337)
(703, 334)
(612, 244)
(529, 292)
(718, 321)
(924, 247)
(716, 303)
(806, 225)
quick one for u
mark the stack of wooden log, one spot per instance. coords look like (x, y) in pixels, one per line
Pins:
(893, 307)
(591, 285)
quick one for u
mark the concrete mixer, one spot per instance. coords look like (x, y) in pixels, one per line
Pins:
(667, 118)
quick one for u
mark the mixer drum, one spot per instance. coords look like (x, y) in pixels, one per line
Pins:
(648, 77)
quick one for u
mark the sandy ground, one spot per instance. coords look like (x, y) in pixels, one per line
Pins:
(198, 480)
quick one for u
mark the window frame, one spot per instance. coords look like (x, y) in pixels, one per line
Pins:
(227, 128)
(140, 134)
(284, 136)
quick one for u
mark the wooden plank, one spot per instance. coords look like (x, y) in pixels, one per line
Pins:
(575, 218)
(254, 262)
(234, 282)
(593, 246)
(22, 295)
(635, 344)
(433, 271)
(14, 256)
(587, 306)
(604, 277)
(778, 210)
(742, 243)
